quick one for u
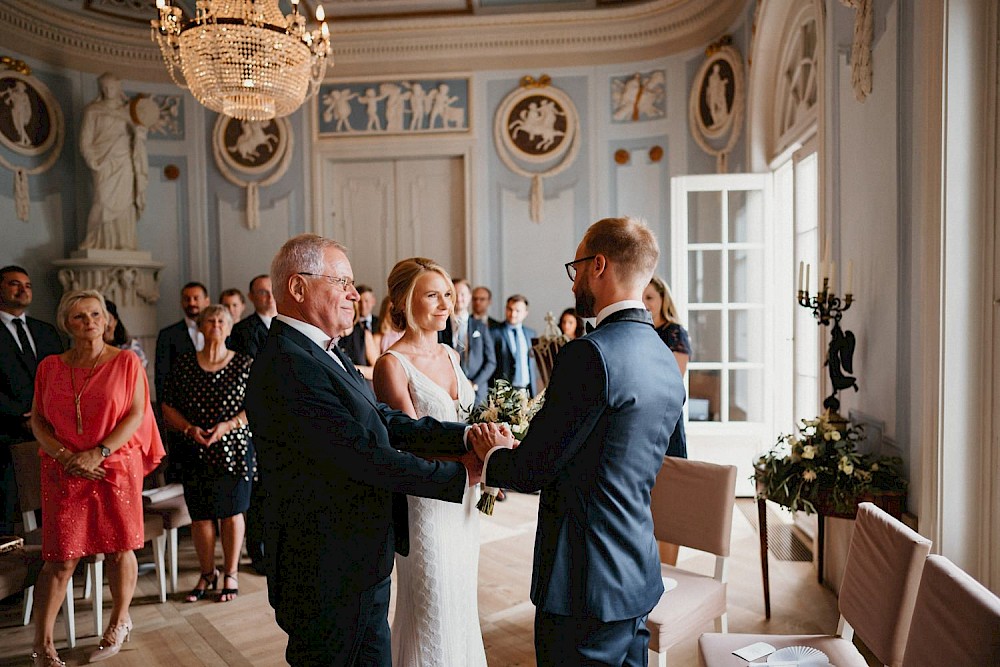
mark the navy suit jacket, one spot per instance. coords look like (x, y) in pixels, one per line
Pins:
(594, 450)
(171, 342)
(505, 355)
(334, 464)
(17, 378)
(248, 335)
(479, 359)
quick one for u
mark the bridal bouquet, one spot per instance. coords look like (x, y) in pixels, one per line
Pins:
(505, 405)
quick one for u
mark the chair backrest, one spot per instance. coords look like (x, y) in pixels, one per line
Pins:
(27, 475)
(881, 578)
(692, 504)
(956, 620)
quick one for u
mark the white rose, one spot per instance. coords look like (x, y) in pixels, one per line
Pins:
(809, 452)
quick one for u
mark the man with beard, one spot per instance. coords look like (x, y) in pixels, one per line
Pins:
(24, 341)
(594, 450)
(180, 337)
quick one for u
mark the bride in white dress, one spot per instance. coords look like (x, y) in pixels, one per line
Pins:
(436, 621)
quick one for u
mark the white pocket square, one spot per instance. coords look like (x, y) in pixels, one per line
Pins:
(476, 334)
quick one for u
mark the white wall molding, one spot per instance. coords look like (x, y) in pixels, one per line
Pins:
(400, 46)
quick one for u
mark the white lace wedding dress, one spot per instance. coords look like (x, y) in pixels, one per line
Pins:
(437, 620)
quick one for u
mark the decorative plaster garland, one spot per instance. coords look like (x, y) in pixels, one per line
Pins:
(229, 166)
(861, 48)
(22, 202)
(534, 109)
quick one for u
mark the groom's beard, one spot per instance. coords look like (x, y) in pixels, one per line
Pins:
(585, 302)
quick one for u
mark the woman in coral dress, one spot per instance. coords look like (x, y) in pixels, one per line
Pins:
(93, 420)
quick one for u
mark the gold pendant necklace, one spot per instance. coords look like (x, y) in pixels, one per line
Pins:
(78, 396)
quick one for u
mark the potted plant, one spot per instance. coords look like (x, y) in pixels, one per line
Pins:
(819, 469)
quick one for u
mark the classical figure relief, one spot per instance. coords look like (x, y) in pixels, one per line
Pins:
(715, 106)
(31, 125)
(394, 107)
(640, 96)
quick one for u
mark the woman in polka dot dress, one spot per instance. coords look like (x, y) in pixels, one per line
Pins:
(204, 400)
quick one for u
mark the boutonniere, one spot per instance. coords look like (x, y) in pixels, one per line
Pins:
(476, 334)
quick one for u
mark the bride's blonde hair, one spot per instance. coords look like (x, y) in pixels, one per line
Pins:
(402, 280)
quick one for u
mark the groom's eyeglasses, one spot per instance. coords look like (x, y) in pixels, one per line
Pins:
(571, 266)
(344, 283)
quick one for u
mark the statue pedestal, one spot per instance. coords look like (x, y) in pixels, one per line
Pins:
(130, 278)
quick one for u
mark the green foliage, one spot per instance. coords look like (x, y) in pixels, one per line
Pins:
(505, 404)
(821, 464)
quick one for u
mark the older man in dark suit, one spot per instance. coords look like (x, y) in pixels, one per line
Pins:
(471, 339)
(594, 451)
(24, 341)
(335, 464)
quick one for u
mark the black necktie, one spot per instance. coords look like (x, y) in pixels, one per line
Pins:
(22, 338)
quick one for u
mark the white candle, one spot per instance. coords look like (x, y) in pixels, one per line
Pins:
(833, 273)
(806, 284)
(850, 277)
(801, 272)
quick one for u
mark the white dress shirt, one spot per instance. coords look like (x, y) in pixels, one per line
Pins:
(315, 334)
(197, 337)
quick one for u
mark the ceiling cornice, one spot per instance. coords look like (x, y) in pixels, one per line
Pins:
(372, 47)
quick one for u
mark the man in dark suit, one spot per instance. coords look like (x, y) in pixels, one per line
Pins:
(594, 451)
(512, 341)
(180, 337)
(24, 341)
(335, 465)
(366, 308)
(248, 335)
(471, 339)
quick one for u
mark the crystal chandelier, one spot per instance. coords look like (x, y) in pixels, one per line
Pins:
(243, 58)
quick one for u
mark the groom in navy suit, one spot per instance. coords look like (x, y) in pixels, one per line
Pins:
(335, 464)
(594, 451)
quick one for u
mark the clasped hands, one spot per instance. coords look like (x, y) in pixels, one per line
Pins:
(482, 438)
(206, 437)
(86, 464)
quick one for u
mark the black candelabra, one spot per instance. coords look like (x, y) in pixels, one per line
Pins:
(827, 307)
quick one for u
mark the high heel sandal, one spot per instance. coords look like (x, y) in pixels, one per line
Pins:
(211, 580)
(111, 642)
(43, 659)
(231, 592)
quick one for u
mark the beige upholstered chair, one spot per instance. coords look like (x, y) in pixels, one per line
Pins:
(692, 505)
(167, 501)
(876, 599)
(956, 620)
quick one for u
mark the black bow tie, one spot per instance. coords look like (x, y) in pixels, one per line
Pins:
(588, 327)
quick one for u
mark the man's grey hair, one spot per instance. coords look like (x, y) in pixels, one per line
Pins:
(300, 254)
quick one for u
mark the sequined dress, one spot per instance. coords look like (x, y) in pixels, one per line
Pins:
(437, 618)
(81, 517)
(217, 479)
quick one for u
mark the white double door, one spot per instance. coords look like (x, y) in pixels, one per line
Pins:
(388, 210)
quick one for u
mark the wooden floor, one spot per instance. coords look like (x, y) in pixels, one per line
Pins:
(243, 632)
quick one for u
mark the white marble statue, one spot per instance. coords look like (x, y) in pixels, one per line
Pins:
(114, 148)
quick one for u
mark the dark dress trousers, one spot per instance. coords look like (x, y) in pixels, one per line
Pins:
(479, 358)
(248, 335)
(505, 355)
(335, 464)
(17, 378)
(171, 342)
(594, 451)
